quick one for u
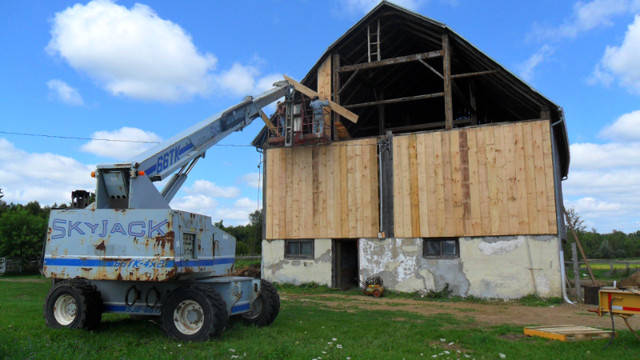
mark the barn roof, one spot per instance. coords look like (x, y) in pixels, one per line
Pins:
(499, 94)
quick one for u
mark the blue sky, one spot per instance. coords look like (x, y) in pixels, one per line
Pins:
(146, 71)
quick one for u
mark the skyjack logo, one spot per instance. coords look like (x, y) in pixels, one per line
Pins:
(66, 228)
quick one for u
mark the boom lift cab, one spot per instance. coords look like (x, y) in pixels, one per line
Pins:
(129, 252)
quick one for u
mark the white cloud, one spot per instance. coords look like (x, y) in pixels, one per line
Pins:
(135, 53)
(253, 180)
(197, 203)
(604, 181)
(625, 128)
(131, 52)
(204, 197)
(587, 16)
(589, 156)
(528, 67)
(120, 150)
(61, 91)
(45, 177)
(238, 213)
(207, 188)
(243, 80)
(621, 62)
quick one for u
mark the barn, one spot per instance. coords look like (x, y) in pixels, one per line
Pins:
(449, 174)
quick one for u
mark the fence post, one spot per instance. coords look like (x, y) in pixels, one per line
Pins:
(576, 271)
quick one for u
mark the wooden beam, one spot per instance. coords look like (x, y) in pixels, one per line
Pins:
(392, 61)
(457, 76)
(348, 80)
(335, 107)
(446, 69)
(427, 126)
(431, 68)
(396, 100)
(380, 97)
(472, 101)
(336, 132)
(268, 122)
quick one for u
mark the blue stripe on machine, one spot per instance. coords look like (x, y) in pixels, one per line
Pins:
(241, 307)
(135, 262)
(151, 169)
(185, 149)
(206, 262)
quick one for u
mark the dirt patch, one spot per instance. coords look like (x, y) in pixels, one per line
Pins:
(248, 271)
(490, 314)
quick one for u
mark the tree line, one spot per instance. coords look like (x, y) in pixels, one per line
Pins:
(616, 244)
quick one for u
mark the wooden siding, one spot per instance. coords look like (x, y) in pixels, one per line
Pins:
(326, 191)
(324, 79)
(483, 181)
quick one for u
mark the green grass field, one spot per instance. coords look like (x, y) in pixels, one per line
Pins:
(303, 330)
(602, 270)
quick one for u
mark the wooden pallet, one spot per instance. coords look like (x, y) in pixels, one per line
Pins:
(567, 332)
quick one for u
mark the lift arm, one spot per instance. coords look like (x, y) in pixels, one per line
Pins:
(179, 153)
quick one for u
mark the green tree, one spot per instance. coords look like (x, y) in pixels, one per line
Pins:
(574, 220)
(606, 251)
(255, 221)
(22, 234)
(248, 237)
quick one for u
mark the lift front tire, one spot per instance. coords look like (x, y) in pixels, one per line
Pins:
(194, 313)
(73, 304)
(265, 308)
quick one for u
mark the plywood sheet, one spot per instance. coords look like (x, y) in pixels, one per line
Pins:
(328, 191)
(484, 181)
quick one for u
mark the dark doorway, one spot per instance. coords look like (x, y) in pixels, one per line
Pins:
(345, 264)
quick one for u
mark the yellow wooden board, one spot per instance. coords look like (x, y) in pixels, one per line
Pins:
(334, 106)
(567, 332)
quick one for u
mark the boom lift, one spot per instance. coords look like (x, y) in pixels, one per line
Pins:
(129, 252)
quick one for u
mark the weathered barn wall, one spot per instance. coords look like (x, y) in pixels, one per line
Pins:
(328, 191)
(481, 181)
(492, 267)
(276, 268)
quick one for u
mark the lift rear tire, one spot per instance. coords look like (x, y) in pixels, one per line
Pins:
(194, 313)
(265, 308)
(73, 304)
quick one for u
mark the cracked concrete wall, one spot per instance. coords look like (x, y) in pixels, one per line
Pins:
(276, 268)
(500, 266)
(490, 267)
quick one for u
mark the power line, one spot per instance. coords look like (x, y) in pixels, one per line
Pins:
(98, 139)
(143, 141)
(75, 137)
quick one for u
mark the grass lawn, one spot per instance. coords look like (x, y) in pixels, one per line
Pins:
(303, 330)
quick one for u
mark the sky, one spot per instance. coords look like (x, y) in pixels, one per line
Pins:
(74, 73)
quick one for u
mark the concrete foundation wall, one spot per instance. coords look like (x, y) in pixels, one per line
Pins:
(490, 267)
(276, 268)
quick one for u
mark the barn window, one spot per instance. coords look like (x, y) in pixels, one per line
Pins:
(440, 248)
(298, 249)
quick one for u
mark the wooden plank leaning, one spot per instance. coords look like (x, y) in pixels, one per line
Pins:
(575, 236)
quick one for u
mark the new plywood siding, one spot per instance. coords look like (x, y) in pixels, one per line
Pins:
(327, 191)
(491, 180)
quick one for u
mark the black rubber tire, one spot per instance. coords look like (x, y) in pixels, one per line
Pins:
(214, 311)
(265, 308)
(85, 297)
